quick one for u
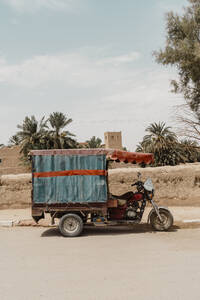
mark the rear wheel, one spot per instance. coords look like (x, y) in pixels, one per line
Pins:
(167, 220)
(71, 225)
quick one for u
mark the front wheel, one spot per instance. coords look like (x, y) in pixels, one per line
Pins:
(71, 225)
(167, 220)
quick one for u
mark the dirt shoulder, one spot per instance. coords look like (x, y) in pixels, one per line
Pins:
(182, 215)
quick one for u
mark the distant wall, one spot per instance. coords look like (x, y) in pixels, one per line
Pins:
(179, 186)
(11, 163)
(15, 191)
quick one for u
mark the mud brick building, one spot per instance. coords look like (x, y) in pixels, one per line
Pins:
(113, 140)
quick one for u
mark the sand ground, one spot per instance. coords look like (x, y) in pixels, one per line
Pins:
(106, 264)
(103, 263)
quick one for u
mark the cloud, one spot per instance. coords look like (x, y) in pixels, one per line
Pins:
(121, 59)
(2, 61)
(35, 5)
(96, 93)
(74, 69)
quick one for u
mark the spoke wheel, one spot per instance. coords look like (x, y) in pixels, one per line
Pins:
(167, 220)
(71, 225)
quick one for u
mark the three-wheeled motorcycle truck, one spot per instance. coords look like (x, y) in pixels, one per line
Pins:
(72, 185)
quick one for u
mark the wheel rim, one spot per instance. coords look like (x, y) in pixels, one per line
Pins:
(165, 221)
(70, 225)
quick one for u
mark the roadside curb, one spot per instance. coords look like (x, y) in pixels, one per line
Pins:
(44, 223)
(7, 223)
(25, 223)
(13, 223)
(192, 221)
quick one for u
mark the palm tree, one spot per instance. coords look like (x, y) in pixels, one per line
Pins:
(162, 142)
(94, 142)
(60, 139)
(159, 136)
(31, 134)
(140, 148)
(14, 140)
(190, 150)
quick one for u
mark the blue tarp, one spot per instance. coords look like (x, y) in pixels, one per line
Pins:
(63, 189)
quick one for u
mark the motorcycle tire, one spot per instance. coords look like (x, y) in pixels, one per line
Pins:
(166, 217)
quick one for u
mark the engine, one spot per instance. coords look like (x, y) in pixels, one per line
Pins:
(131, 211)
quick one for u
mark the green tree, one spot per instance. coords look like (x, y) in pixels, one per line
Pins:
(14, 140)
(57, 137)
(37, 135)
(159, 135)
(190, 150)
(182, 50)
(162, 142)
(31, 134)
(167, 150)
(140, 148)
(94, 142)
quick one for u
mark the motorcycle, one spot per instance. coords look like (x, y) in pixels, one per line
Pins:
(131, 206)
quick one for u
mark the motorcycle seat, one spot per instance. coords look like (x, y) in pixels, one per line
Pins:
(125, 196)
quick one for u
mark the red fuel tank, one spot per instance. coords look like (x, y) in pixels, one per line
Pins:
(138, 196)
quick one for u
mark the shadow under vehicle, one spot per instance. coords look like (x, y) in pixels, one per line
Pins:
(72, 185)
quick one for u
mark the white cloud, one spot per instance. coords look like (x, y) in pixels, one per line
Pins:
(2, 61)
(72, 69)
(96, 93)
(121, 59)
(34, 5)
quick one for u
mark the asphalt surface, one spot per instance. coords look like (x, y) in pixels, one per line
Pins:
(103, 263)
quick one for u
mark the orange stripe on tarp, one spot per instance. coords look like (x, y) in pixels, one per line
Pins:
(70, 173)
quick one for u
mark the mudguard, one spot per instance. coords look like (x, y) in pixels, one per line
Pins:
(153, 210)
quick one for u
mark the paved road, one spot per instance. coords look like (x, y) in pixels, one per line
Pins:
(106, 264)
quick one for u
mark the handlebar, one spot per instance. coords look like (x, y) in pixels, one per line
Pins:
(137, 183)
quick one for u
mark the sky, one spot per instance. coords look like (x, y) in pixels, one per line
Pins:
(89, 59)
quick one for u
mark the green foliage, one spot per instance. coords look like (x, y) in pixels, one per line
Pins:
(31, 134)
(190, 150)
(58, 121)
(37, 135)
(60, 139)
(160, 141)
(14, 140)
(94, 142)
(167, 150)
(182, 50)
(140, 148)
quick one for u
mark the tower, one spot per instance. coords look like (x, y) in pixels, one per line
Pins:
(113, 140)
